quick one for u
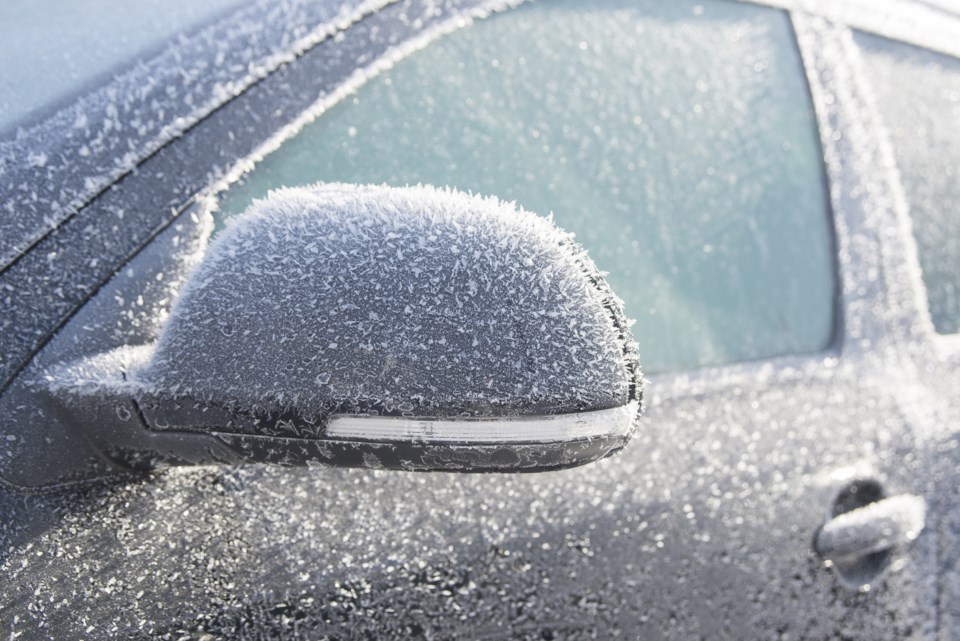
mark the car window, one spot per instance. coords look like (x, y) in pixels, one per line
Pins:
(918, 95)
(50, 50)
(676, 140)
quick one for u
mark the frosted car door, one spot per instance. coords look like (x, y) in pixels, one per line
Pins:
(703, 527)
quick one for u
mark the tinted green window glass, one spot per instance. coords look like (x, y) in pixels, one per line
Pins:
(676, 140)
(918, 95)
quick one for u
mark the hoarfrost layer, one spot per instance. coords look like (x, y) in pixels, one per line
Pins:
(396, 300)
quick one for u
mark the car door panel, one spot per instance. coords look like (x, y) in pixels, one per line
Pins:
(702, 527)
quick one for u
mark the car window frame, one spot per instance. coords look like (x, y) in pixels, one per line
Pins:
(947, 346)
(410, 27)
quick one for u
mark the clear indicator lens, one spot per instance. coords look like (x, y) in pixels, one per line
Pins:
(509, 429)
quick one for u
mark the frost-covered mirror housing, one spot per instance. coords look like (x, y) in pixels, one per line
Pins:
(407, 328)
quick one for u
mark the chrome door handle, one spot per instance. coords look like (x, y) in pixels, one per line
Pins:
(875, 527)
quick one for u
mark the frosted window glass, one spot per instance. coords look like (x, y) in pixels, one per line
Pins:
(677, 140)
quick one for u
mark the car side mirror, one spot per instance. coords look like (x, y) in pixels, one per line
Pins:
(400, 328)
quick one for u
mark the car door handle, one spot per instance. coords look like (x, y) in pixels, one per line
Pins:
(875, 527)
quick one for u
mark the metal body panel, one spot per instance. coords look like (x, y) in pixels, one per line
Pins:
(701, 528)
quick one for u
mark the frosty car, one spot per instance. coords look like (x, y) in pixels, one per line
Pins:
(329, 237)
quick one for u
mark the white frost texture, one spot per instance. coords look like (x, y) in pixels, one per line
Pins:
(403, 301)
(873, 528)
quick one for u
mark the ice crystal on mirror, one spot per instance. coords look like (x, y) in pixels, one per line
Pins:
(426, 299)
